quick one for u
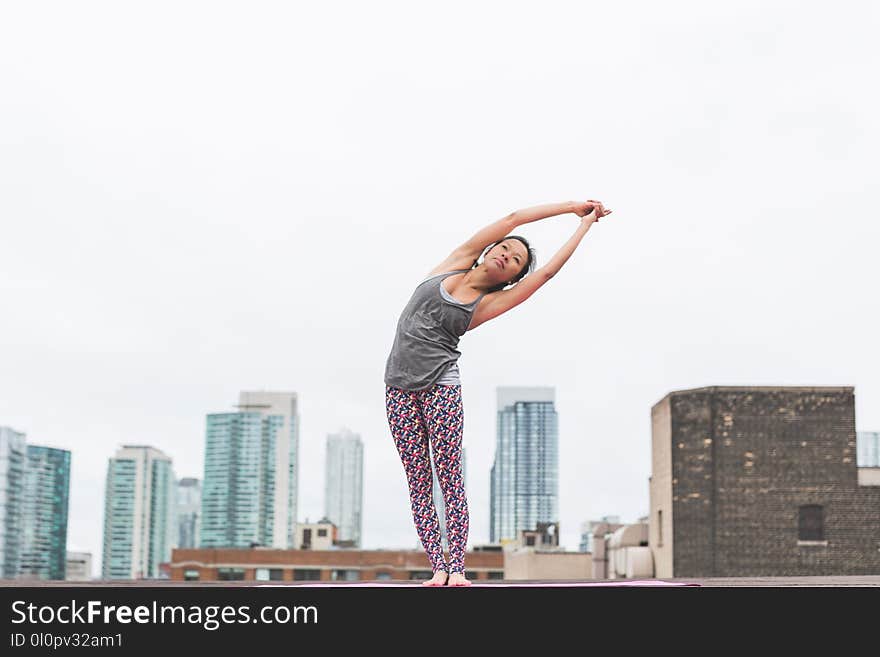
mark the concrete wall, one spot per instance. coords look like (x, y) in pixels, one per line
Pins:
(629, 555)
(660, 538)
(317, 542)
(869, 476)
(527, 564)
(600, 557)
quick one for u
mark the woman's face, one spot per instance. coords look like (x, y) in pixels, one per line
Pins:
(506, 260)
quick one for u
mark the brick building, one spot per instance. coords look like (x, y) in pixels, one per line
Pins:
(262, 564)
(760, 481)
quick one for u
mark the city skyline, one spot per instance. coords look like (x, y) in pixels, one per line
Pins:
(223, 219)
(867, 446)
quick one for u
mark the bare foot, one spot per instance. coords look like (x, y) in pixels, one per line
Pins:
(458, 579)
(439, 579)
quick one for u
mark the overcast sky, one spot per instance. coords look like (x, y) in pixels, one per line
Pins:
(202, 198)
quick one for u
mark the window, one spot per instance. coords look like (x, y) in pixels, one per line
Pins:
(383, 575)
(230, 574)
(810, 524)
(345, 575)
(420, 574)
(322, 532)
(190, 575)
(301, 574)
(496, 574)
(269, 574)
(530, 540)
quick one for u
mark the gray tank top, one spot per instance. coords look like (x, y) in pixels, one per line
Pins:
(428, 331)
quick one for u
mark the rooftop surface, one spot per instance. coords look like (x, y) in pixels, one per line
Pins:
(815, 581)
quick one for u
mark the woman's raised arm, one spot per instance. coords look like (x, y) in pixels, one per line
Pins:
(552, 267)
(504, 226)
(543, 211)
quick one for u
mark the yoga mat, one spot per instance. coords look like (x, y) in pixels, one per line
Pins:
(567, 584)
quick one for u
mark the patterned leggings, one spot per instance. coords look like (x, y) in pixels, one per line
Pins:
(415, 417)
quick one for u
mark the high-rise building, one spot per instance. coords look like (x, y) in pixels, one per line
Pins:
(868, 445)
(34, 489)
(344, 485)
(249, 492)
(44, 513)
(437, 493)
(524, 483)
(139, 509)
(189, 508)
(12, 466)
(760, 482)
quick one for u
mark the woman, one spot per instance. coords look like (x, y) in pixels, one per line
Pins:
(422, 388)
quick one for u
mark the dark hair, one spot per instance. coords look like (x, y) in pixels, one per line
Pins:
(528, 268)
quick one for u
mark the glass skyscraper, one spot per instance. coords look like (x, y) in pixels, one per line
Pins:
(524, 483)
(44, 513)
(249, 491)
(12, 466)
(868, 446)
(139, 510)
(344, 484)
(233, 503)
(189, 507)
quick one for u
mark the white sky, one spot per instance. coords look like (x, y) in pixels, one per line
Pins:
(203, 198)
